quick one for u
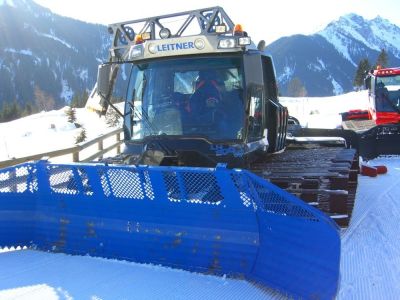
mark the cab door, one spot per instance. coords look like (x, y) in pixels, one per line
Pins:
(276, 114)
(255, 97)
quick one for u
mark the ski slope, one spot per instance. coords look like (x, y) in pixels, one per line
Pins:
(31, 274)
(370, 259)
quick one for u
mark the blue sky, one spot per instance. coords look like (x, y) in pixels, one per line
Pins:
(266, 20)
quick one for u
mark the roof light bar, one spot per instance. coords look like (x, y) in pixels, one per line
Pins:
(146, 36)
(388, 71)
(220, 28)
(227, 43)
(244, 40)
(135, 51)
(165, 33)
(238, 30)
(139, 39)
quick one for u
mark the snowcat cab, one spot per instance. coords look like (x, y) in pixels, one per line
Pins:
(195, 100)
(384, 95)
(201, 97)
(379, 126)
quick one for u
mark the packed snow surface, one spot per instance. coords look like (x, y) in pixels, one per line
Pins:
(29, 274)
(370, 259)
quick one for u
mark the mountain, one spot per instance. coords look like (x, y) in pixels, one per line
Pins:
(46, 58)
(326, 61)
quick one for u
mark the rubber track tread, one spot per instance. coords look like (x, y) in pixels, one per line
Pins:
(324, 177)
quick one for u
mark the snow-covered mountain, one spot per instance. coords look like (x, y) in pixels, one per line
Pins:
(326, 61)
(45, 58)
(350, 30)
(44, 55)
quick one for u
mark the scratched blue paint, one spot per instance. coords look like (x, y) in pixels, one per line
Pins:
(216, 221)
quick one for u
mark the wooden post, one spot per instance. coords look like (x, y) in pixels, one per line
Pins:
(75, 156)
(72, 150)
(118, 139)
(100, 147)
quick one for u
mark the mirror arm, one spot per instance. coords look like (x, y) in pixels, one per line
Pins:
(114, 107)
(114, 70)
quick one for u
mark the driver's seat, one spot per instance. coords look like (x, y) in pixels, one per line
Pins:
(207, 95)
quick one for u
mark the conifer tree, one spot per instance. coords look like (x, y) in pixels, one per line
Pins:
(296, 88)
(362, 69)
(10, 111)
(81, 136)
(71, 114)
(382, 59)
(79, 99)
(113, 119)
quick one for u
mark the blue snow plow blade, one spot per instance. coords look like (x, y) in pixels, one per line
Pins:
(216, 221)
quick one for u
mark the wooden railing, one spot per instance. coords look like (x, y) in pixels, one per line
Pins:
(75, 150)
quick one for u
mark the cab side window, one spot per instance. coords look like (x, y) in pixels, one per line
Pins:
(255, 123)
(269, 79)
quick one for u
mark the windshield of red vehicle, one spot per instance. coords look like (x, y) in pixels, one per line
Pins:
(187, 97)
(387, 93)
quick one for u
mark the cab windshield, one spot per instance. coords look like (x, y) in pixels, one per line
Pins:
(187, 97)
(388, 93)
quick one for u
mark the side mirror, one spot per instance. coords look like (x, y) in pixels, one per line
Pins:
(103, 79)
(261, 45)
(367, 82)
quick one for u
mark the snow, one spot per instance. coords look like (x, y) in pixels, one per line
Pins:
(57, 40)
(66, 92)
(286, 74)
(50, 36)
(7, 2)
(370, 259)
(351, 26)
(46, 131)
(26, 52)
(317, 67)
(32, 274)
(321, 62)
(375, 34)
(370, 264)
(316, 112)
(83, 74)
(339, 42)
(337, 88)
(390, 33)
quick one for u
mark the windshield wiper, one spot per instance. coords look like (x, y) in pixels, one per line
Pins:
(153, 131)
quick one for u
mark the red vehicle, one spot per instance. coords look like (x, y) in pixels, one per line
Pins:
(384, 99)
(378, 127)
(384, 95)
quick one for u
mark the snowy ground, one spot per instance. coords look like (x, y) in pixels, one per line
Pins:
(47, 131)
(370, 261)
(31, 274)
(315, 112)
